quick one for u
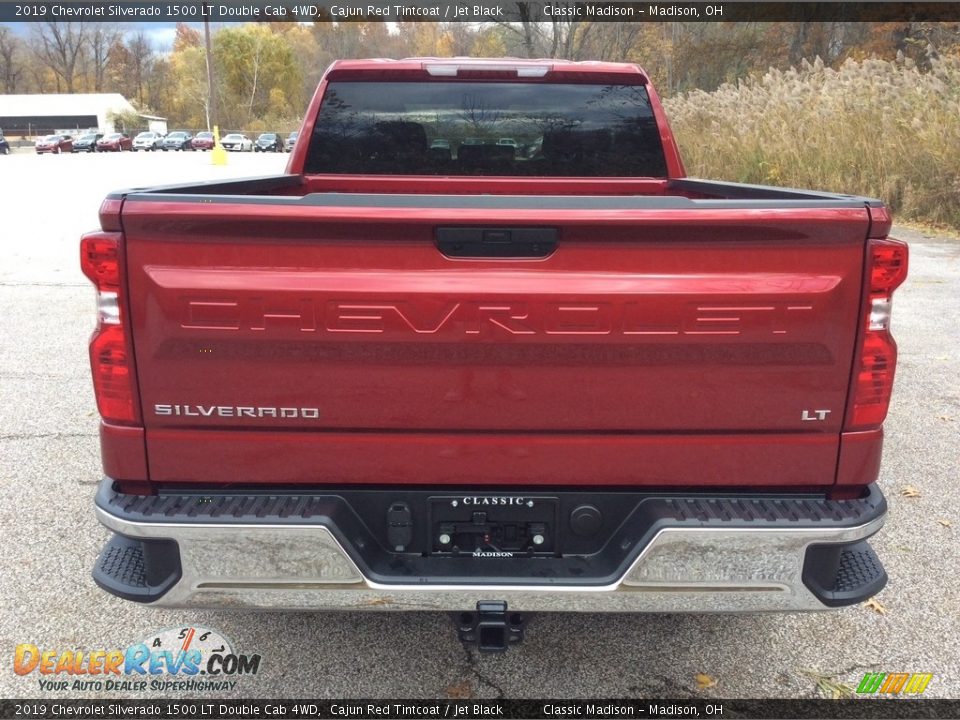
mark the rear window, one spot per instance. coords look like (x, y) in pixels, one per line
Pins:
(488, 128)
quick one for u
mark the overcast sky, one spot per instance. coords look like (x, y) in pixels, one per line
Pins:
(160, 33)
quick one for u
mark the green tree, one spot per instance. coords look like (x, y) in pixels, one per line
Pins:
(188, 104)
(252, 61)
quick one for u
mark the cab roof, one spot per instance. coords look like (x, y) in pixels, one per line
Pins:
(546, 69)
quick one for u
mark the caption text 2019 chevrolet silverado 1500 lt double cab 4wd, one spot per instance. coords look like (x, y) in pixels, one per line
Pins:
(425, 368)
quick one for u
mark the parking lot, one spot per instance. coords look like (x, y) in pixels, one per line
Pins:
(49, 467)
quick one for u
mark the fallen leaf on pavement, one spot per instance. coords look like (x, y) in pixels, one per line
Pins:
(704, 681)
(379, 601)
(945, 523)
(830, 687)
(462, 690)
(910, 492)
(875, 605)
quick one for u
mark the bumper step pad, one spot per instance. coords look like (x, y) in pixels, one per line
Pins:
(138, 570)
(843, 575)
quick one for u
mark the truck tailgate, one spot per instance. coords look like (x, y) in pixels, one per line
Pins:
(655, 346)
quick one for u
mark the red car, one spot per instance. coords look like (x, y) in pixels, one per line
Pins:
(202, 141)
(54, 144)
(114, 142)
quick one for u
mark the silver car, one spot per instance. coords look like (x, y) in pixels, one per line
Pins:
(147, 141)
(237, 142)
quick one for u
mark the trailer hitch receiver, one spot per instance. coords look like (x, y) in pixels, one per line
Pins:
(491, 628)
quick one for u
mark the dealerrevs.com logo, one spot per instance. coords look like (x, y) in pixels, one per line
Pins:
(185, 658)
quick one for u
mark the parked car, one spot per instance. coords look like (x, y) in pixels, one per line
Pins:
(202, 141)
(237, 142)
(55, 144)
(268, 142)
(115, 142)
(661, 394)
(86, 143)
(147, 141)
(291, 140)
(440, 150)
(4, 145)
(179, 140)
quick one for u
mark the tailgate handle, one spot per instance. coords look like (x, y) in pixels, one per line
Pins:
(502, 242)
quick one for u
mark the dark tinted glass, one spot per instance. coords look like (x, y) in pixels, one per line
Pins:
(500, 128)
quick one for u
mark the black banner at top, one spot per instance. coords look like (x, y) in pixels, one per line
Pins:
(682, 709)
(474, 11)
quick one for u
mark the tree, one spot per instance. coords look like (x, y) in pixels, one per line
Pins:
(616, 41)
(11, 69)
(303, 45)
(186, 37)
(188, 103)
(59, 46)
(252, 61)
(731, 47)
(159, 87)
(141, 62)
(526, 30)
(102, 38)
(125, 120)
(489, 42)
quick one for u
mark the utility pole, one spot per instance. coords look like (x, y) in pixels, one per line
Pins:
(218, 155)
(211, 95)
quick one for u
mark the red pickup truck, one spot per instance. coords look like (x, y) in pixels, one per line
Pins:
(485, 341)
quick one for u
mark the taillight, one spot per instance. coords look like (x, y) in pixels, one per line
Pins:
(111, 358)
(876, 358)
(100, 260)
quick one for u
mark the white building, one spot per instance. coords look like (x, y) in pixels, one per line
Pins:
(41, 114)
(154, 123)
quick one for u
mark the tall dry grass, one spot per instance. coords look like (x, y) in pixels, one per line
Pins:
(880, 128)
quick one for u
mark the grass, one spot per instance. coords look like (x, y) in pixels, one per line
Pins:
(885, 129)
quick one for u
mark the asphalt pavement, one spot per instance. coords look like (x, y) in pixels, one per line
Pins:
(49, 467)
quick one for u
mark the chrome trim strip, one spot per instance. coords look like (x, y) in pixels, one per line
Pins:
(108, 307)
(305, 567)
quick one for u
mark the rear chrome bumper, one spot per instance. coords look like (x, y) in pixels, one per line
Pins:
(793, 563)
